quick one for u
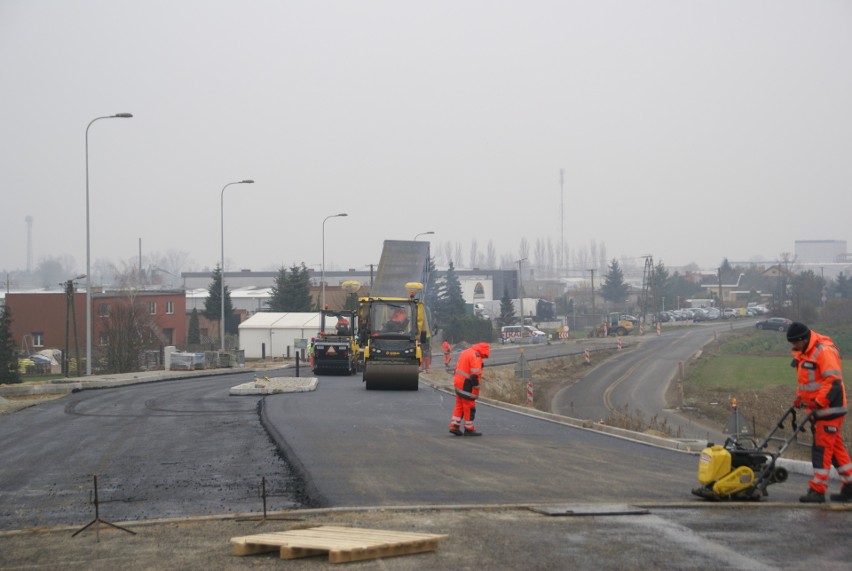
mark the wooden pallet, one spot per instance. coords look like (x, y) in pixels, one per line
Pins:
(343, 544)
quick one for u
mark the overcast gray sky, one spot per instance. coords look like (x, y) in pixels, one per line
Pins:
(688, 130)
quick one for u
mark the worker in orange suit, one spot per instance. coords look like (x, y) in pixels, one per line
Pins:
(398, 321)
(447, 352)
(821, 390)
(466, 382)
(342, 325)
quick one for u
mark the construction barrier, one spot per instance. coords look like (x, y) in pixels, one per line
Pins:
(658, 329)
(618, 343)
(529, 392)
(587, 357)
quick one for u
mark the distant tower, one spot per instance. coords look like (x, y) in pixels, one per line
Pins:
(29, 220)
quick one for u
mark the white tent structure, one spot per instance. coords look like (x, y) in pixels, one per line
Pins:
(274, 333)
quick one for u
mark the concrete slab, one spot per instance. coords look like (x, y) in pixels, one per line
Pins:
(274, 385)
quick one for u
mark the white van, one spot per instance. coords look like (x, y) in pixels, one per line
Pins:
(512, 334)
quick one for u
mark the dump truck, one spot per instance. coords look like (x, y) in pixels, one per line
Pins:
(391, 334)
(335, 347)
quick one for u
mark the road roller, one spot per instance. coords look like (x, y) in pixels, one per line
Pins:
(391, 331)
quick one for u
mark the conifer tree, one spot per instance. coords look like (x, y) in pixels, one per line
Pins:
(292, 290)
(614, 289)
(278, 298)
(193, 334)
(213, 302)
(450, 299)
(507, 310)
(9, 372)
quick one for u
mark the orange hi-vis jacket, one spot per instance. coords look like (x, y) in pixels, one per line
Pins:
(820, 379)
(468, 368)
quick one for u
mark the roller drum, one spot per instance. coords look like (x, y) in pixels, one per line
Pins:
(390, 377)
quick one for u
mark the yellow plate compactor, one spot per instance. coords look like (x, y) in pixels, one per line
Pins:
(742, 469)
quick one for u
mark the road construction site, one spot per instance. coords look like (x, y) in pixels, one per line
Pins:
(201, 469)
(532, 493)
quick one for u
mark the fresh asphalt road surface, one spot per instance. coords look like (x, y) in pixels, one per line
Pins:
(161, 449)
(186, 447)
(359, 447)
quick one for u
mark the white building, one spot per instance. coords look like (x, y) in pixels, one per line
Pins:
(275, 334)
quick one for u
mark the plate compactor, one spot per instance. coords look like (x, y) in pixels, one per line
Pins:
(742, 469)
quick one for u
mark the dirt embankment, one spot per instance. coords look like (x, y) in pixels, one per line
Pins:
(549, 376)
(762, 408)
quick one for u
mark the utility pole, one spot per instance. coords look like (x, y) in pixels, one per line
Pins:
(562, 264)
(71, 316)
(371, 276)
(649, 287)
(594, 324)
(721, 302)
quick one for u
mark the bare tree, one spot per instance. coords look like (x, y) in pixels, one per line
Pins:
(447, 252)
(457, 255)
(491, 256)
(474, 254)
(127, 332)
(539, 261)
(551, 258)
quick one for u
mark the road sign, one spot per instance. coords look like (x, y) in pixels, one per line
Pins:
(522, 369)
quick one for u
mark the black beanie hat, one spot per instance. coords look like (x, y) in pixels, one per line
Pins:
(797, 332)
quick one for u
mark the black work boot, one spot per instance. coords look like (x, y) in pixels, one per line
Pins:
(812, 497)
(472, 433)
(845, 494)
(455, 430)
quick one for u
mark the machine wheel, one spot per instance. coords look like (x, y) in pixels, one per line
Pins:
(620, 332)
(779, 475)
(760, 327)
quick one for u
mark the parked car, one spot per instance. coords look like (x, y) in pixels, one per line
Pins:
(774, 323)
(713, 312)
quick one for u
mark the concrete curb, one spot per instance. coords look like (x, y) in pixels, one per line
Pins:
(67, 385)
(275, 385)
(693, 447)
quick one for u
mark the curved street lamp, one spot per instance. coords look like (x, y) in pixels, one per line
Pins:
(222, 266)
(88, 247)
(423, 234)
(322, 271)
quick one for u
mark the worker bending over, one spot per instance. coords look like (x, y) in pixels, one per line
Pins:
(466, 382)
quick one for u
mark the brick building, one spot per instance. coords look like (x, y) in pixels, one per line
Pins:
(39, 320)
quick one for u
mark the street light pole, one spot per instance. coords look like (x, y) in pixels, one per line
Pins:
(88, 249)
(322, 271)
(423, 234)
(222, 266)
(521, 297)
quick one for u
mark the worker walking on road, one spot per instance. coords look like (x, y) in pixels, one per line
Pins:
(466, 382)
(447, 353)
(821, 390)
